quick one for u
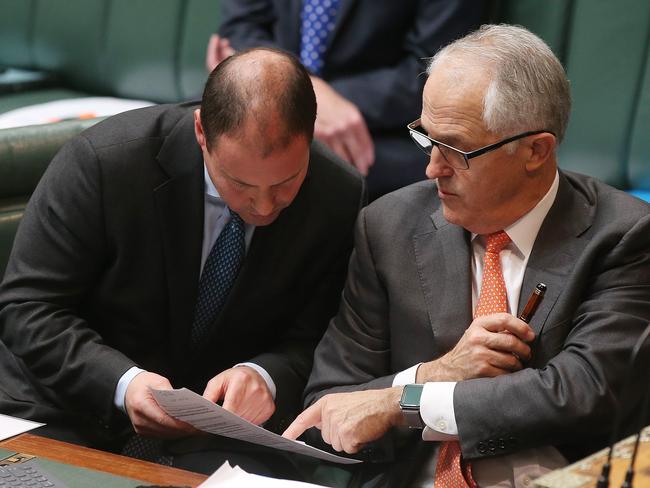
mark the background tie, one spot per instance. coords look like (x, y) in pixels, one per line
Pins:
(493, 298)
(219, 273)
(317, 22)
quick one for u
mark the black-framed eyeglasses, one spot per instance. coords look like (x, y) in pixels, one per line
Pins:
(455, 157)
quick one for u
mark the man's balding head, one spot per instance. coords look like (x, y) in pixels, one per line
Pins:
(264, 92)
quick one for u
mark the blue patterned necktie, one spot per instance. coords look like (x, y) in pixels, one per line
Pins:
(317, 19)
(219, 273)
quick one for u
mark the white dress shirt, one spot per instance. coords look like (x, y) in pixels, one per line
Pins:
(216, 216)
(437, 401)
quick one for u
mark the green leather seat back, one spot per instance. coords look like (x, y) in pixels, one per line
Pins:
(605, 62)
(550, 21)
(140, 49)
(142, 42)
(68, 39)
(25, 152)
(16, 26)
(202, 19)
(639, 158)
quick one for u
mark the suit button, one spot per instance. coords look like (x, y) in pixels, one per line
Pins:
(491, 445)
(502, 444)
(482, 448)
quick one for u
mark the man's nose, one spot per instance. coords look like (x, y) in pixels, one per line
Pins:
(438, 165)
(264, 203)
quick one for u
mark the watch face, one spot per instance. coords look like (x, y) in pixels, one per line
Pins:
(411, 396)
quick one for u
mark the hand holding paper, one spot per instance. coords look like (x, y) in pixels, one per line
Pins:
(187, 406)
(244, 392)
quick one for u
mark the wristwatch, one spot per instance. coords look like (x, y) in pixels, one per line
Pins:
(409, 404)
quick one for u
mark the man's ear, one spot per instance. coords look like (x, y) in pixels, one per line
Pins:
(542, 147)
(198, 130)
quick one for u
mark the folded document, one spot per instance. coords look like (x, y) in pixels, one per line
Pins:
(205, 415)
(228, 477)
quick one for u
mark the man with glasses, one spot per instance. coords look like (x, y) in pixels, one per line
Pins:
(428, 333)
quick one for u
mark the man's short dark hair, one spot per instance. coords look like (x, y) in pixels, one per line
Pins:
(229, 99)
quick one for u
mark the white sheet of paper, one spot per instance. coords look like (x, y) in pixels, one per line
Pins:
(71, 108)
(235, 477)
(11, 426)
(201, 413)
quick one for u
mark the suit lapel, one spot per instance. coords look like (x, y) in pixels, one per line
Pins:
(442, 255)
(559, 243)
(180, 206)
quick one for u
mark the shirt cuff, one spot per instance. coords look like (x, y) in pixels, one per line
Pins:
(267, 377)
(406, 377)
(122, 385)
(437, 411)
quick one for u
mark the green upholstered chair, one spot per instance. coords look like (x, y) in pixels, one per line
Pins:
(25, 152)
(605, 49)
(147, 49)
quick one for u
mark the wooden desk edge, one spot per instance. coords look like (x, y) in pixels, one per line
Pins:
(101, 461)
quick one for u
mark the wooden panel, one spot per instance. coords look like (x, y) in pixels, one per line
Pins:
(101, 461)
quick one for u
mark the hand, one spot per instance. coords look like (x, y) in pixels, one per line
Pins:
(340, 125)
(348, 421)
(244, 392)
(218, 49)
(491, 346)
(147, 417)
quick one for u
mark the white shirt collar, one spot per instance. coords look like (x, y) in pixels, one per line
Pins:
(524, 231)
(210, 189)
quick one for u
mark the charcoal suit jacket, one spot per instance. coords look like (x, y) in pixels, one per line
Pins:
(408, 300)
(105, 268)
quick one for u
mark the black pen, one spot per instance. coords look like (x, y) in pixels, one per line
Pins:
(533, 302)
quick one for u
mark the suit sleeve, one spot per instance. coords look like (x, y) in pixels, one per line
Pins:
(390, 97)
(576, 393)
(354, 353)
(58, 254)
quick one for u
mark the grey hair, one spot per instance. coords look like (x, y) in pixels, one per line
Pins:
(528, 88)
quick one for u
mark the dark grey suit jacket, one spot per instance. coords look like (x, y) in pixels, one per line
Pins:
(105, 268)
(375, 58)
(408, 300)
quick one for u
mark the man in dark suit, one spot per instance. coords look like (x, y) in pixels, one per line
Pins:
(366, 59)
(427, 334)
(117, 264)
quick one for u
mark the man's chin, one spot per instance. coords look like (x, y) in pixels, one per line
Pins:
(260, 220)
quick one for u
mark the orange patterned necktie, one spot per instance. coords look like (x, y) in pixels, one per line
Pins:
(451, 472)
